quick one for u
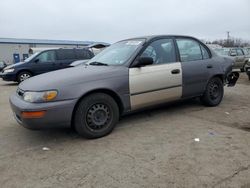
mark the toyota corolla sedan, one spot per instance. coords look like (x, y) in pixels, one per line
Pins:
(129, 75)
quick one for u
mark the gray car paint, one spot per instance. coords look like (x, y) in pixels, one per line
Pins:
(74, 83)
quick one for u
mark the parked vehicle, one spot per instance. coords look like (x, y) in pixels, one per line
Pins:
(2, 65)
(248, 72)
(42, 62)
(127, 76)
(248, 69)
(79, 63)
(239, 55)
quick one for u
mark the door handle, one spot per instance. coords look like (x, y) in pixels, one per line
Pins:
(175, 71)
(209, 66)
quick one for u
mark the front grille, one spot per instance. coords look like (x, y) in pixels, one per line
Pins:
(19, 92)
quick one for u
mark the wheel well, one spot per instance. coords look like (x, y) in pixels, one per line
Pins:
(219, 76)
(24, 70)
(106, 91)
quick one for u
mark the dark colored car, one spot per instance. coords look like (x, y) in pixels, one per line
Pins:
(248, 72)
(42, 62)
(127, 76)
(2, 65)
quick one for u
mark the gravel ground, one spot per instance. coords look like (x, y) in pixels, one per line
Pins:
(154, 148)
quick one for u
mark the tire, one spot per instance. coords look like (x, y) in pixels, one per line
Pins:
(96, 116)
(214, 92)
(242, 70)
(248, 76)
(23, 76)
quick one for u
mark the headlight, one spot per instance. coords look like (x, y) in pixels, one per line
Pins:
(37, 97)
(8, 70)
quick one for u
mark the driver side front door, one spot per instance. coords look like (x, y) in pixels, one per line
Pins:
(157, 83)
(44, 62)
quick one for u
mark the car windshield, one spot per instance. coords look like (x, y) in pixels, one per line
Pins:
(31, 57)
(118, 53)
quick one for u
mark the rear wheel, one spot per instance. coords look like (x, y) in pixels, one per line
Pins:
(23, 76)
(214, 92)
(96, 115)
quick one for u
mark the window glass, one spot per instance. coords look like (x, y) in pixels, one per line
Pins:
(246, 52)
(118, 53)
(189, 50)
(205, 53)
(83, 54)
(65, 54)
(162, 51)
(239, 52)
(48, 56)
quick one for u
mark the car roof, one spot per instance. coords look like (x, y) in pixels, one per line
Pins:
(151, 37)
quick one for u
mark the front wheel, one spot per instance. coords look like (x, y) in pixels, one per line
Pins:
(214, 92)
(96, 115)
(23, 76)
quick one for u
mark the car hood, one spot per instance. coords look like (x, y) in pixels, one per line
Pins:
(15, 65)
(71, 76)
(80, 62)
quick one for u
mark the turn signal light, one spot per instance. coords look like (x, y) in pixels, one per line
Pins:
(49, 95)
(37, 114)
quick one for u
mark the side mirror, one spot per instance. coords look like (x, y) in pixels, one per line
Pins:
(233, 54)
(143, 61)
(36, 60)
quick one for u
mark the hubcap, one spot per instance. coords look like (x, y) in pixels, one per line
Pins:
(98, 117)
(214, 91)
(24, 77)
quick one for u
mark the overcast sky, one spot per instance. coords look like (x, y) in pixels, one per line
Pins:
(112, 20)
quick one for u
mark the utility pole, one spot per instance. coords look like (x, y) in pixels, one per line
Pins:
(228, 38)
(228, 35)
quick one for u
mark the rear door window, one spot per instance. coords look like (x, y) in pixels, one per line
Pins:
(205, 53)
(189, 50)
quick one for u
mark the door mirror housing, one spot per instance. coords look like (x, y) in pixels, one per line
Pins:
(36, 60)
(143, 61)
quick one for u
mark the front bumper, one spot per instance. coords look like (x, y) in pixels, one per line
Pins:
(57, 114)
(232, 78)
(8, 76)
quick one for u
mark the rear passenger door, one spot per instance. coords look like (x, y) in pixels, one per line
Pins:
(196, 64)
(65, 57)
(159, 82)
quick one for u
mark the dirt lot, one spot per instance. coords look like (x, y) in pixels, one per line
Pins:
(149, 149)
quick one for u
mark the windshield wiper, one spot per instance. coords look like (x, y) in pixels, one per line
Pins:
(98, 63)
